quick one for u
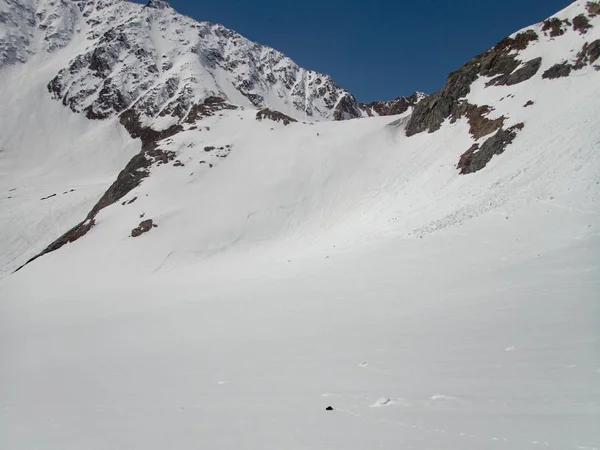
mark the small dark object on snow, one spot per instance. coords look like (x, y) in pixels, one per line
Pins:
(144, 227)
(329, 408)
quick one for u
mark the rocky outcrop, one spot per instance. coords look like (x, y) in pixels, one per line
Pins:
(476, 158)
(555, 27)
(390, 108)
(581, 24)
(479, 124)
(275, 116)
(500, 61)
(593, 8)
(588, 55)
(209, 107)
(558, 71)
(346, 108)
(143, 227)
(524, 73)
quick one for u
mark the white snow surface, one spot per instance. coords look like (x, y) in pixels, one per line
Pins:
(332, 264)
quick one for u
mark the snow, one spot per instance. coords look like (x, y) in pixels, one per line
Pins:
(240, 352)
(39, 157)
(332, 264)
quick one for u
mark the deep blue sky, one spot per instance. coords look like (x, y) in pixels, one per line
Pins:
(376, 49)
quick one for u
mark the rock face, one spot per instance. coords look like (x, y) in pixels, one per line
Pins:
(389, 108)
(476, 158)
(524, 73)
(275, 116)
(499, 62)
(588, 55)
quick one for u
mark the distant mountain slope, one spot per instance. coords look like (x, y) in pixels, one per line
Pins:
(160, 63)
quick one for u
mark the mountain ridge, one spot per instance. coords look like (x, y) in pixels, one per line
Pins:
(160, 63)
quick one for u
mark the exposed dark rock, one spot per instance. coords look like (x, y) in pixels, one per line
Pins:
(142, 228)
(588, 54)
(70, 236)
(131, 121)
(208, 108)
(430, 112)
(529, 103)
(390, 108)
(110, 100)
(524, 73)
(158, 4)
(275, 116)
(520, 42)
(329, 408)
(479, 124)
(593, 51)
(347, 108)
(476, 158)
(593, 8)
(554, 26)
(558, 71)
(50, 196)
(581, 24)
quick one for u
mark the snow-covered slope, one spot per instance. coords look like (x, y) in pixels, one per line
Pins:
(29, 27)
(432, 276)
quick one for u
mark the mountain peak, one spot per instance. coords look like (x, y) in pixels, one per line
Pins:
(159, 4)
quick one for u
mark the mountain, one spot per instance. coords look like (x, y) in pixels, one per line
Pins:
(151, 60)
(201, 266)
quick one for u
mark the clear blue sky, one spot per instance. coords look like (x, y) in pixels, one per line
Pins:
(376, 49)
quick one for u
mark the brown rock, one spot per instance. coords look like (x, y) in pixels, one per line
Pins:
(554, 26)
(275, 116)
(581, 24)
(558, 71)
(142, 228)
(476, 158)
(593, 8)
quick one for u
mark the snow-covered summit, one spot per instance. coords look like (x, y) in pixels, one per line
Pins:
(160, 63)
